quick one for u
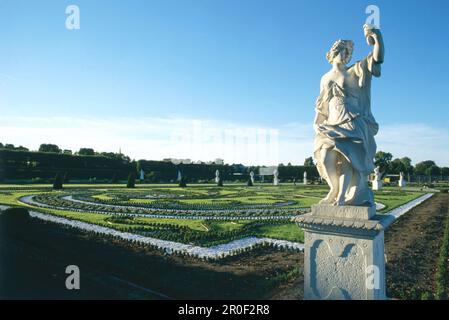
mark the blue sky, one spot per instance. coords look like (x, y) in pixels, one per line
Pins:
(233, 64)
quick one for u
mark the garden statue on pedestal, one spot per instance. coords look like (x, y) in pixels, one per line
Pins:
(402, 182)
(275, 177)
(377, 182)
(343, 235)
(217, 176)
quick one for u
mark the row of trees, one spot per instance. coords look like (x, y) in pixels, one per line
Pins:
(10, 146)
(388, 165)
(20, 163)
(53, 148)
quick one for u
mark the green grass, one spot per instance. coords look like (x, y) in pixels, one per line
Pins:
(286, 231)
(12, 197)
(442, 275)
(225, 226)
(393, 198)
(102, 197)
(141, 200)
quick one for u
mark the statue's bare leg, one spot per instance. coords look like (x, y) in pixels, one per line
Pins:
(346, 173)
(329, 160)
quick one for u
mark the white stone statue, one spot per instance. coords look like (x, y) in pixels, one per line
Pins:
(305, 178)
(142, 175)
(276, 177)
(217, 176)
(402, 182)
(344, 125)
(377, 182)
(251, 174)
(179, 176)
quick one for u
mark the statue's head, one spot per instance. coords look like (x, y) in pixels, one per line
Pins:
(341, 51)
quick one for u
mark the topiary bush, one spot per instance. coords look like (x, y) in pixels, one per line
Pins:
(131, 181)
(57, 183)
(183, 183)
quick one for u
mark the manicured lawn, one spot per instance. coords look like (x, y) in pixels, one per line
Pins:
(287, 231)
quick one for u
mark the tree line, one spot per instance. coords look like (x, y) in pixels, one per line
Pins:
(19, 163)
(51, 163)
(388, 165)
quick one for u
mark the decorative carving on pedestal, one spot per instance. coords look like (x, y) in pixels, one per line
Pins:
(328, 259)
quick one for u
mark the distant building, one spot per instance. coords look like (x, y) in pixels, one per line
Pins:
(178, 161)
(189, 161)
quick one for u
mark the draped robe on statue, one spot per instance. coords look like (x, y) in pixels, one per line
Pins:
(345, 122)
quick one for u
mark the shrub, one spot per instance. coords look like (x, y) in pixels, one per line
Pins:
(183, 182)
(15, 216)
(131, 181)
(57, 183)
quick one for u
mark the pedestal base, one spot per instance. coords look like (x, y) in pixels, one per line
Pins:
(344, 253)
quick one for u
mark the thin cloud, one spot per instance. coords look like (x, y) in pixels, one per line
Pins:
(199, 139)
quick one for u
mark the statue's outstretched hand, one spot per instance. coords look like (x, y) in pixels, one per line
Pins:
(371, 33)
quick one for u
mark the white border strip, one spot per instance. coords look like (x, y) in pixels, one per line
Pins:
(399, 211)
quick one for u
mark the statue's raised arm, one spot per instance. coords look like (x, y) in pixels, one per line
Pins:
(374, 38)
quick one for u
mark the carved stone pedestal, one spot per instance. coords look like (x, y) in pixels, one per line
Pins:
(344, 253)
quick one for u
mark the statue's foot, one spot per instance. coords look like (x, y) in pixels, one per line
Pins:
(339, 203)
(330, 198)
(326, 201)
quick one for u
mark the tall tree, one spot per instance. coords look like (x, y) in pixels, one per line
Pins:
(86, 152)
(396, 166)
(421, 167)
(445, 171)
(407, 162)
(308, 162)
(48, 147)
(433, 171)
(382, 160)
